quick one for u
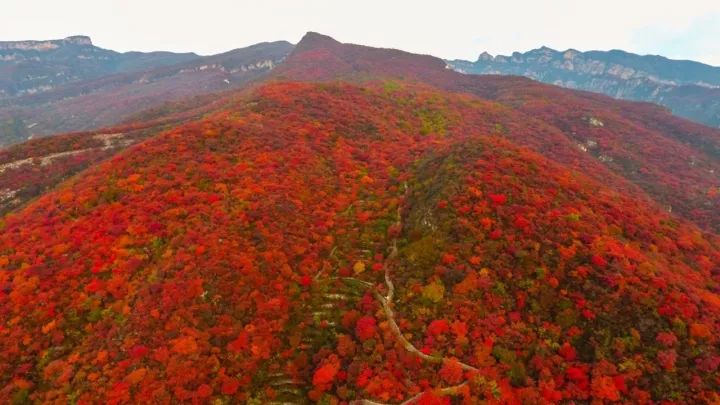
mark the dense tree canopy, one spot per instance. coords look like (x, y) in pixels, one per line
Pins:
(336, 243)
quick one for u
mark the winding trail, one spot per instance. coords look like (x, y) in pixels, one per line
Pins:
(386, 301)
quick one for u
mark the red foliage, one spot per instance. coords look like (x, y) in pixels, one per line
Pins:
(604, 388)
(240, 343)
(365, 327)
(567, 352)
(230, 386)
(451, 372)
(598, 261)
(498, 199)
(640, 149)
(429, 398)
(438, 327)
(326, 373)
(138, 352)
(667, 358)
(205, 262)
(667, 339)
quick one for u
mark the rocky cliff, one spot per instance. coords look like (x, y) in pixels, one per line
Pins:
(689, 89)
(93, 87)
(33, 67)
(78, 40)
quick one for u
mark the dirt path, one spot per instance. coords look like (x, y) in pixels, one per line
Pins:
(386, 301)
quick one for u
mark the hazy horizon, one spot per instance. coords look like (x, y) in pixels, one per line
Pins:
(451, 30)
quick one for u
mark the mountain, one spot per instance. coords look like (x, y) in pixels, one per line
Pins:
(31, 168)
(201, 264)
(690, 89)
(366, 226)
(638, 147)
(98, 88)
(33, 67)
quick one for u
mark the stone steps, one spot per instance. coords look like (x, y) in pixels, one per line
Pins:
(329, 300)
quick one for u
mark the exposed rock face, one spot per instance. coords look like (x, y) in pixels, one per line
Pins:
(78, 40)
(689, 89)
(33, 67)
(77, 86)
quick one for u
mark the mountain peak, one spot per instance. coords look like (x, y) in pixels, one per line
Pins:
(314, 39)
(543, 50)
(485, 57)
(319, 56)
(78, 40)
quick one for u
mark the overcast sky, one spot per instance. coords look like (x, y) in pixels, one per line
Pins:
(688, 29)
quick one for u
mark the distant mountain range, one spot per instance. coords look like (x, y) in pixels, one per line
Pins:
(65, 85)
(690, 89)
(33, 67)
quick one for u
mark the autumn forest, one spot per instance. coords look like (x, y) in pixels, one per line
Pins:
(365, 226)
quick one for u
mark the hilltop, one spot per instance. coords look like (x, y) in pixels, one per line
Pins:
(629, 145)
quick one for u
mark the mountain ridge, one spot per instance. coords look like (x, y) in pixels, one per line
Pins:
(301, 241)
(567, 123)
(42, 45)
(115, 96)
(690, 89)
(366, 226)
(706, 71)
(30, 67)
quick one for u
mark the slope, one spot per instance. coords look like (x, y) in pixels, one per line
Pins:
(31, 67)
(108, 99)
(29, 169)
(325, 242)
(674, 161)
(690, 89)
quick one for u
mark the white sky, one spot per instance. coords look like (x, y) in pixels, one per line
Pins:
(688, 29)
